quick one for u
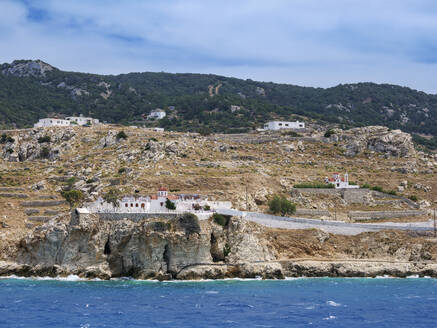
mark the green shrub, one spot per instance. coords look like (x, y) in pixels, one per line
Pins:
(10, 150)
(219, 219)
(121, 170)
(190, 223)
(160, 226)
(317, 185)
(73, 197)
(392, 192)
(121, 135)
(112, 196)
(281, 205)
(226, 250)
(377, 188)
(45, 152)
(207, 207)
(5, 139)
(44, 139)
(70, 181)
(329, 133)
(170, 205)
(413, 198)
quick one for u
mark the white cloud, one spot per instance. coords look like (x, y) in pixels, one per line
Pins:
(310, 42)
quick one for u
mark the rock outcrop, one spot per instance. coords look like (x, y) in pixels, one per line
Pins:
(375, 138)
(183, 248)
(38, 143)
(36, 68)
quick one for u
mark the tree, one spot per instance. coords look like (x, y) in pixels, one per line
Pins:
(112, 197)
(170, 205)
(281, 205)
(121, 135)
(73, 197)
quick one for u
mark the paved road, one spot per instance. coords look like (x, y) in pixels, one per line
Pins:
(336, 227)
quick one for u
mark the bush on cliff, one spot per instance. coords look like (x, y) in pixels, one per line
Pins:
(112, 196)
(73, 197)
(190, 223)
(44, 139)
(121, 135)
(281, 205)
(219, 219)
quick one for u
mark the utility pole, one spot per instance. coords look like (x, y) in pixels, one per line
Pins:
(434, 224)
(247, 202)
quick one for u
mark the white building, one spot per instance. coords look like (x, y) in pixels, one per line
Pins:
(278, 125)
(339, 182)
(156, 114)
(81, 120)
(47, 122)
(156, 204)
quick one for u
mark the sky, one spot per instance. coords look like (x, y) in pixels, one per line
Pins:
(320, 43)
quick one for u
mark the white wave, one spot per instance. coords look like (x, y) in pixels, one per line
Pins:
(331, 317)
(332, 303)
(414, 276)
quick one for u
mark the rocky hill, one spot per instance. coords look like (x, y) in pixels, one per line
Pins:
(30, 90)
(38, 236)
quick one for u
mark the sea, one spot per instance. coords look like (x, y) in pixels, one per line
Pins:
(303, 302)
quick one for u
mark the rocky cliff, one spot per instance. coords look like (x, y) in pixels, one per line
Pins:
(183, 248)
(186, 248)
(377, 139)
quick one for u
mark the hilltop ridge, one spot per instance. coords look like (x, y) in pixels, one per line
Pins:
(30, 90)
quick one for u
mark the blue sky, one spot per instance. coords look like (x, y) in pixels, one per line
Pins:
(305, 42)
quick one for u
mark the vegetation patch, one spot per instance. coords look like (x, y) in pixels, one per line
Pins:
(6, 139)
(220, 219)
(189, 223)
(281, 205)
(73, 197)
(112, 196)
(121, 135)
(316, 185)
(45, 139)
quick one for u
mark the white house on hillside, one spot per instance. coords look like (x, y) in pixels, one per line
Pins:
(339, 182)
(157, 204)
(47, 122)
(81, 120)
(278, 125)
(156, 114)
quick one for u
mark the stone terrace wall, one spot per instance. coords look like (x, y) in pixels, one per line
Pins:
(318, 191)
(368, 215)
(309, 212)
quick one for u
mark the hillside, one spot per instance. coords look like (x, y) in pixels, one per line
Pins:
(30, 90)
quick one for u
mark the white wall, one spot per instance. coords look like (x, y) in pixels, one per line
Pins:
(277, 125)
(46, 122)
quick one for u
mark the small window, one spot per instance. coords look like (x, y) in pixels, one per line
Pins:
(131, 205)
(286, 124)
(162, 203)
(338, 185)
(280, 124)
(126, 205)
(143, 205)
(136, 204)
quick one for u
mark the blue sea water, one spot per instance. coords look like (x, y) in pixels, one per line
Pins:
(304, 302)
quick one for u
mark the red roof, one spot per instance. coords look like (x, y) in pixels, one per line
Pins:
(162, 189)
(172, 197)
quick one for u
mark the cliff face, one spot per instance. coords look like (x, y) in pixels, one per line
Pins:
(186, 248)
(182, 248)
